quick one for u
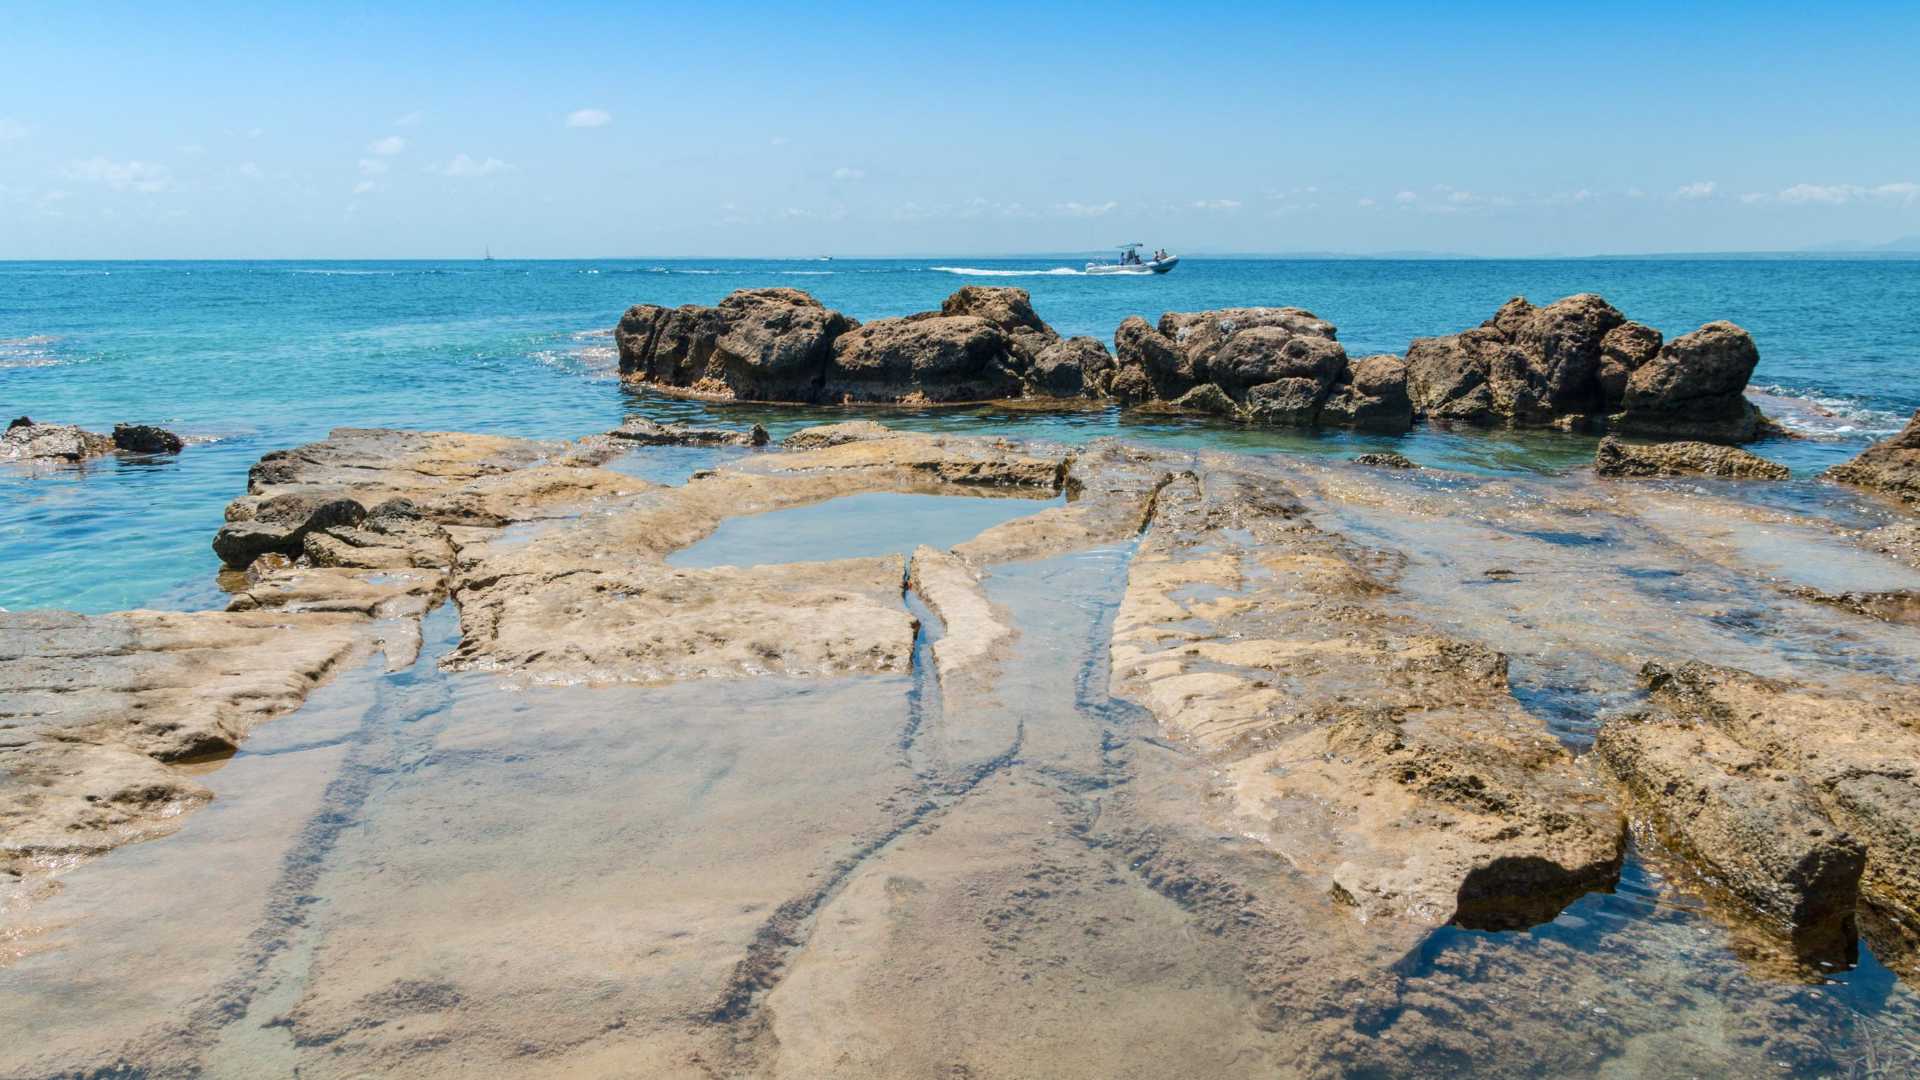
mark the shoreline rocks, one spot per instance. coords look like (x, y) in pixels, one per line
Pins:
(1579, 364)
(1891, 467)
(27, 441)
(1619, 459)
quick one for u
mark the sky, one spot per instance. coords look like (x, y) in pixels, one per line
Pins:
(165, 130)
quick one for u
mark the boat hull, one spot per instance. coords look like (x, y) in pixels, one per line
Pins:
(1155, 266)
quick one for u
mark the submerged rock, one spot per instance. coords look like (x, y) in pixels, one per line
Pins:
(1891, 466)
(1615, 458)
(1577, 363)
(820, 435)
(1272, 365)
(146, 439)
(646, 432)
(1386, 459)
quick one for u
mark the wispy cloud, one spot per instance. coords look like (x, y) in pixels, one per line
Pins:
(122, 175)
(1216, 204)
(778, 140)
(1699, 189)
(364, 186)
(372, 166)
(465, 165)
(1406, 198)
(411, 119)
(846, 172)
(1841, 194)
(388, 146)
(11, 129)
(1366, 202)
(589, 118)
(1079, 209)
(250, 170)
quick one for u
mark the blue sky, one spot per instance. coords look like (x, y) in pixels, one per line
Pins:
(163, 130)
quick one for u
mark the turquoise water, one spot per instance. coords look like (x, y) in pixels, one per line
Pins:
(248, 357)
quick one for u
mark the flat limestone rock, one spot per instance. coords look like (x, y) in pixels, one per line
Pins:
(976, 635)
(1683, 458)
(92, 706)
(1381, 758)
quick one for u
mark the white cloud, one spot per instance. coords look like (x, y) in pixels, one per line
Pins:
(250, 170)
(1841, 194)
(11, 129)
(589, 118)
(1078, 209)
(372, 166)
(1406, 198)
(1699, 189)
(846, 173)
(778, 140)
(1460, 197)
(364, 186)
(1367, 202)
(1636, 193)
(412, 119)
(1753, 198)
(122, 175)
(463, 165)
(1216, 204)
(388, 146)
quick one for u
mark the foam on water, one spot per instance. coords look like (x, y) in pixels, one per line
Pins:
(975, 271)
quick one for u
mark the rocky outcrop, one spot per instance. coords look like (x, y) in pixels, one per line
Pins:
(822, 435)
(1619, 459)
(1578, 363)
(1891, 467)
(146, 439)
(26, 441)
(1270, 365)
(783, 345)
(1432, 797)
(644, 432)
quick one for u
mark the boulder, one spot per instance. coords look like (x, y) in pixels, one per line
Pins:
(1276, 365)
(280, 524)
(924, 358)
(1009, 309)
(756, 344)
(1615, 458)
(1757, 831)
(25, 440)
(639, 429)
(146, 439)
(1577, 363)
(1694, 386)
(1075, 367)
(1892, 466)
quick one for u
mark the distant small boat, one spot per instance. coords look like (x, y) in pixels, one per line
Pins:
(489, 255)
(1130, 262)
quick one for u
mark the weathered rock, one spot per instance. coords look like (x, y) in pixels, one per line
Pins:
(639, 429)
(1076, 367)
(1432, 797)
(29, 441)
(1695, 386)
(280, 524)
(146, 439)
(756, 345)
(1386, 459)
(821, 435)
(1757, 831)
(1206, 399)
(1892, 466)
(924, 358)
(1578, 360)
(1276, 365)
(1010, 310)
(1615, 458)
(1858, 751)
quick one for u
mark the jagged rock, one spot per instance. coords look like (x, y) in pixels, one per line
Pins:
(25, 440)
(1386, 459)
(281, 524)
(1892, 466)
(1277, 365)
(1370, 396)
(1694, 386)
(1759, 832)
(924, 358)
(1207, 399)
(1076, 367)
(1010, 310)
(820, 435)
(146, 439)
(756, 344)
(650, 433)
(1615, 458)
(1578, 359)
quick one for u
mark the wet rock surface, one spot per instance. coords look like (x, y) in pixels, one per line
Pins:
(1616, 458)
(1239, 766)
(1891, 467)
(26, 441)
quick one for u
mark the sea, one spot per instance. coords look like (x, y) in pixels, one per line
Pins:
(246, 357)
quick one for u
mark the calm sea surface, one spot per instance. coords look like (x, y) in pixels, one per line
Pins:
(246, 357)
